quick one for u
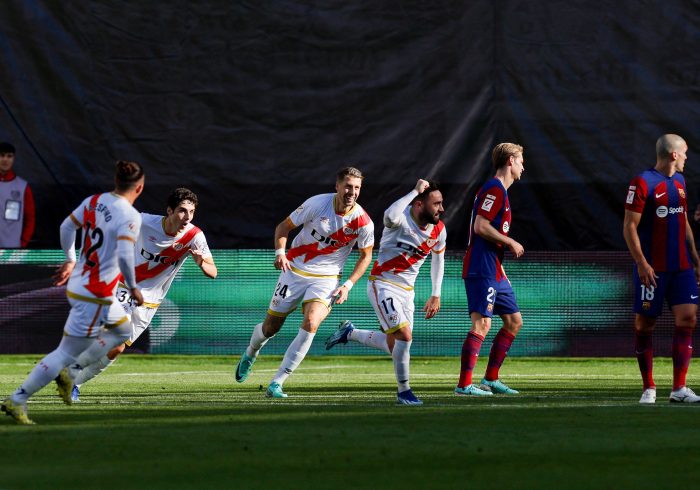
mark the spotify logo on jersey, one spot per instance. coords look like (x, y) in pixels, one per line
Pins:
(663, 211)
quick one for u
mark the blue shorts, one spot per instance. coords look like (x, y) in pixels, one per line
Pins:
(487, 296)
(677, 288)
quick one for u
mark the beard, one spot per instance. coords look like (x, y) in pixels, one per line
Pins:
(431, 218)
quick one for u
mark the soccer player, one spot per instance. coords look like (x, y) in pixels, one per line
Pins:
(161, 248)
(489, 291)
(311, 268)
(96, 322)
(412, 230)
(660, 240)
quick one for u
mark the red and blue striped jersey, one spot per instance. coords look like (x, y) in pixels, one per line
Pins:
(661, 201)
(483, 257)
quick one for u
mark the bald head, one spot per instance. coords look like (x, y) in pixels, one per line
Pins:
(667, 144)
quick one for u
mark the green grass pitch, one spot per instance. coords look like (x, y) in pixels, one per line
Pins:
(183, 422)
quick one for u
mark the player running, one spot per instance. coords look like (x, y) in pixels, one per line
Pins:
(412, 231)
(489, 291)
(311, 269)
(161, 248)
(660, 240)
(96, 322)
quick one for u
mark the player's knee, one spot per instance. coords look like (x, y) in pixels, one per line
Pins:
(272, 325)
(686, 321)
(112, 355)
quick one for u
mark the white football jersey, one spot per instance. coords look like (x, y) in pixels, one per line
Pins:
(159, 256)
(324, 243)
(104, 219)
(403, 250)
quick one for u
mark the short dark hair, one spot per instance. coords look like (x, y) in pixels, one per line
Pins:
(432, 186)
(127, 174)
(349, 171)
(181, 194)
(6, 148)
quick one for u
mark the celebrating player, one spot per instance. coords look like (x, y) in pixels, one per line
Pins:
(161, 249)
(489, 291)
(311, 269)
(96, 323)
(412, 230)
(660, 240)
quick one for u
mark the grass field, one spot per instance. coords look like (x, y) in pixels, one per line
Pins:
(182, 422)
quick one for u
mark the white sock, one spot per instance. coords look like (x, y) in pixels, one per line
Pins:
(105, 342)
(402, 359)
(93, 370)
(48, 368)
(257, 341)
(295, 354)
(370, 338)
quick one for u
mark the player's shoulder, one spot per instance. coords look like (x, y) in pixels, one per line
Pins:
(492, 185)
(359, 212)
(679, 178)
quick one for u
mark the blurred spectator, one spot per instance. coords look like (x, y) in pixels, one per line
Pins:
(695, 223)
(16, 201)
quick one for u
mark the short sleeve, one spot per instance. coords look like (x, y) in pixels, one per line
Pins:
(199, 243)
(303, 213)
(636, 195)
(441, 241)
(130, 227)
(366, 236)
(490, 203)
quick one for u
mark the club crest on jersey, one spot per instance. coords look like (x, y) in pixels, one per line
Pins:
(681, 193)
(178, 246)
(488, 202)
(431, 242)
(347, 230)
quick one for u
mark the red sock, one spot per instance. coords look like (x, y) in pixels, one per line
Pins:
(644, 349)
(470, 353)
(499, 349)
(681, 353)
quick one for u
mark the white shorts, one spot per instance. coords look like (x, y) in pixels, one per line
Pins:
(392, 304)
(86, 317)
(294, 287)
(141, 316)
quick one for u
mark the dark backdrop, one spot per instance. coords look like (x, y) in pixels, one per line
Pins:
(255, 105)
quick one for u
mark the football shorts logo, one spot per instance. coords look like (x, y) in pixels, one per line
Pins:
(394, 318)
(488, 202)
(275, 302)
(646, 305)
(489, 307)
(132, 227)
(506, 227)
